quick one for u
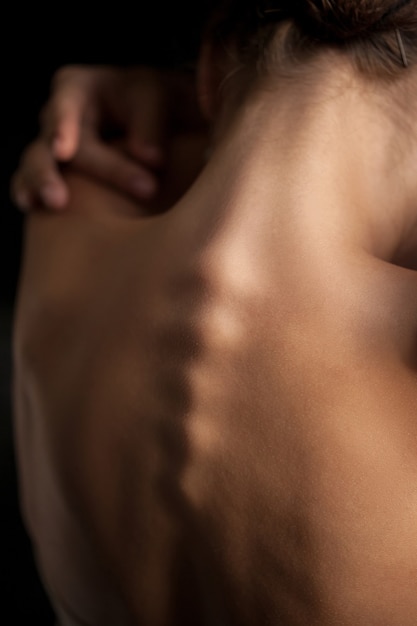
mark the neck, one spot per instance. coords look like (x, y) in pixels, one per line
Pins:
(336, 144)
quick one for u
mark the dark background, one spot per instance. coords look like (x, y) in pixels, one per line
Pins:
(36, 42)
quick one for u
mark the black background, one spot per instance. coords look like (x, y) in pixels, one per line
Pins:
(37, 41)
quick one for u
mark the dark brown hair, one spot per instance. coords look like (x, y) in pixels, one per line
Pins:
(379, 35)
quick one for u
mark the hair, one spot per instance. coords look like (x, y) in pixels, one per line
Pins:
(380, 36)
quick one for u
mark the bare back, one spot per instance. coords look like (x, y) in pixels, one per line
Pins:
(217, 414)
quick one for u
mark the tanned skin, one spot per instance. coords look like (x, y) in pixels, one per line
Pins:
(216, 401)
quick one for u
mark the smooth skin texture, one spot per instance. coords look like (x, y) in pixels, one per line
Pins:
(216, 403)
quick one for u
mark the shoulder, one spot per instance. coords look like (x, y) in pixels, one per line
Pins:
(92, 197)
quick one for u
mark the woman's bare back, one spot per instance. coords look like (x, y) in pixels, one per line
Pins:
(218, 406)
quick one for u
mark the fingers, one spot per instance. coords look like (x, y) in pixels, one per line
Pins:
(113, 167)
(84, 100)
(62, 118)
(37, 182)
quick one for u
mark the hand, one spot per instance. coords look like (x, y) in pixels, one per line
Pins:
(110, 123)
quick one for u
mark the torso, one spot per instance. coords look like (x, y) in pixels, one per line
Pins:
(229, 419)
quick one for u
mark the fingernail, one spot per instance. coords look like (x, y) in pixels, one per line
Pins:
(52, 196)
(143, 187)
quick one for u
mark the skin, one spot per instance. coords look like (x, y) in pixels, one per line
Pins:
(216, 403)
(144, 106)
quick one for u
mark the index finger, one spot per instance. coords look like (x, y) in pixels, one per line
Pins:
(62, 117)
